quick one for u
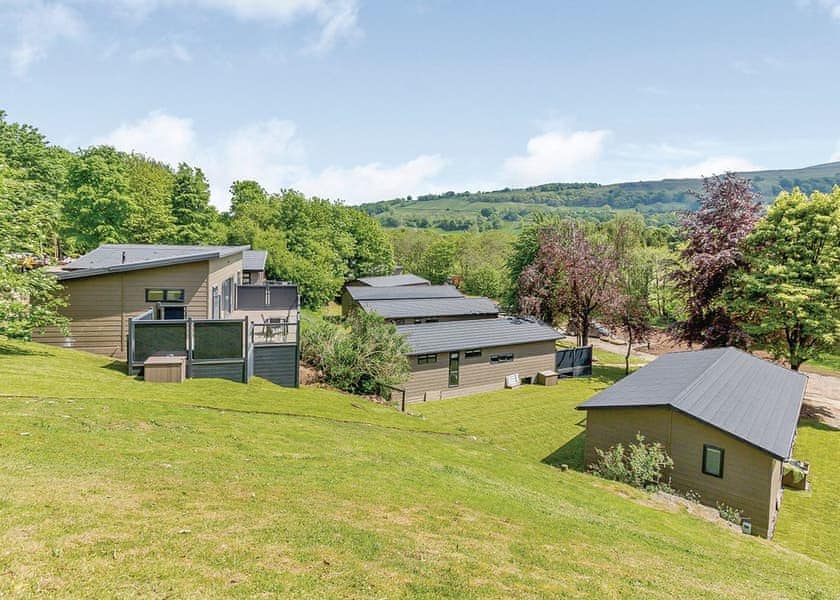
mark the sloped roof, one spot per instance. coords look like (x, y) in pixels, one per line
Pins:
(115, 258)
(430, 307)
(750, 398)
(449, 336)
(254, 260)
(416, 292)
(394, 280)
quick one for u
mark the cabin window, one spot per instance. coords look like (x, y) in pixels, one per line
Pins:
(501, 358)
(425, 359)
(712, 460)
(246, 277)
(227, 294)
(178, 312)
(216, 306)
(475, 353)
(164, 295)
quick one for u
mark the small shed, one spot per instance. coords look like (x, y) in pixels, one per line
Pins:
(727, 419)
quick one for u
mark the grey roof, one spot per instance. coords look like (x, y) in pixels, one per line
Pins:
(115, 258)
(394, 280)
(430, 307)
(449, 336)
(254, 260)
(747, 397)
(416, 292)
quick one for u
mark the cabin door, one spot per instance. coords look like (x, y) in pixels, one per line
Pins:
(454, 369)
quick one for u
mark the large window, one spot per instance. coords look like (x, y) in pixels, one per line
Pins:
(164, 295)
(425, 359)
(501, 358)
(712, 460)
(227, 295)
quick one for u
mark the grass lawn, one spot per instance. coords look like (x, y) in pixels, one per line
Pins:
(113, 487)
(828, 364)
(604, 357)
(808, 519)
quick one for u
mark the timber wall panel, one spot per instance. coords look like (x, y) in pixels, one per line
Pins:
(751, 477)
(477, 374)
(99, 307)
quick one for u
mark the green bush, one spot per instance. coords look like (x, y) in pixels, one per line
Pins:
(733, 515)
(358, 357)
(640, 465)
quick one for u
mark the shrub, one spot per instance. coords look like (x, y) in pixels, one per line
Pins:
(358, 357)
(733, 515)
(640, 465)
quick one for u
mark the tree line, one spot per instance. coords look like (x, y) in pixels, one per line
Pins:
(56, 203)
(739, 276)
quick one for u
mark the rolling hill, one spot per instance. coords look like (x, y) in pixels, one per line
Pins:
(658, 201)
(114, 487)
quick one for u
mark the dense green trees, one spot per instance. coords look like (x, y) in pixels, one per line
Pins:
(788, 295)
(315, 243)
(473, 260)
(196, 220)
(55, 203)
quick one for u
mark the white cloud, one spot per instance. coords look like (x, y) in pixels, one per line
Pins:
(715, 165)
(161, 136)
(337, 19)
(172, 51)
(836, 155)
(832, 7)
(556, 156)
(39, 26)
(374, 181)
(271, 153)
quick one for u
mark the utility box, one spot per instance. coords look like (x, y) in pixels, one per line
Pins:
(547, 378)
(165, 369)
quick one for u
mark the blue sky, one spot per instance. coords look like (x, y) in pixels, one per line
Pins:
(366, 100)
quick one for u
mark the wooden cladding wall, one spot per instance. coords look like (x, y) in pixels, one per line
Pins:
(431, 380)
(99, 307)
(751, 477)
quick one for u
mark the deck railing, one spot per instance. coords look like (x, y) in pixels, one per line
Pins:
(574, 362)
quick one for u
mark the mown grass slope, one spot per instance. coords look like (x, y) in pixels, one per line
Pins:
(113, 487)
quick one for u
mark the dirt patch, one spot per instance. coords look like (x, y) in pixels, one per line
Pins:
(309, 376)
(822, 399)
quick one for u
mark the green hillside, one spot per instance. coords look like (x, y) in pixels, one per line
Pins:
(507, 208)
(113, 487)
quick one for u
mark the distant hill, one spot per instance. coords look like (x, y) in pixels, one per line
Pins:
(658, 201)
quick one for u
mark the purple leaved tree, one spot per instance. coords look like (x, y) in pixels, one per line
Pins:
(571, 275)
(728, 211)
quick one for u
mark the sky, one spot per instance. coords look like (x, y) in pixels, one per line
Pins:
(363, 100)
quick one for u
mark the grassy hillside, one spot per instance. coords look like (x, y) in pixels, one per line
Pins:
(507, 208)
(113, 487)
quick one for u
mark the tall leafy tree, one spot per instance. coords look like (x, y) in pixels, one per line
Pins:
(98, 204)
(572, 275)
(789, 291)
(196, 221)
(630, 310)
(34, 175)
(150, 185)
(728, 211)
